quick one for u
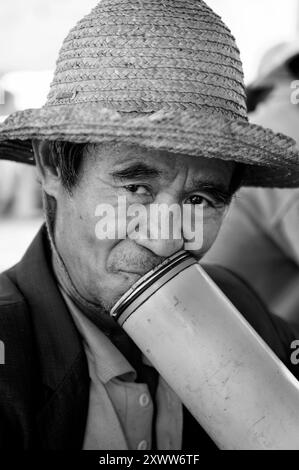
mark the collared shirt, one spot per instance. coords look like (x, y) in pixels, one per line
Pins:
(120, 414)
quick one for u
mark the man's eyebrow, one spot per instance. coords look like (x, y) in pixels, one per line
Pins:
(218, 190)
(135, 171)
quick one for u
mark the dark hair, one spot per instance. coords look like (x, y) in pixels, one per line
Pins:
(68, 158)
(256, 95)
(237, 178)
(293, 66)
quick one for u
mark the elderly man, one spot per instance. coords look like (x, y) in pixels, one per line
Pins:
(147, 104)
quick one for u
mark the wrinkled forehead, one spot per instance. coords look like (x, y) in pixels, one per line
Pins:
(117, 158)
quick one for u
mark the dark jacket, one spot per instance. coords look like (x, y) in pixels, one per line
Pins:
(44, 383)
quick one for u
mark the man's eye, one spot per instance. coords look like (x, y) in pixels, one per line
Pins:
(137, 189)
(196, 200)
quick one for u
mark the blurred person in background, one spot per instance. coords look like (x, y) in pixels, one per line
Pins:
(19, 191)
(260, 238)
(7, 169)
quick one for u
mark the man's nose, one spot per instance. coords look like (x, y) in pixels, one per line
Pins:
(163, 248)
(160, 231)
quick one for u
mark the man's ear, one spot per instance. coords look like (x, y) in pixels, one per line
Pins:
(47, 172)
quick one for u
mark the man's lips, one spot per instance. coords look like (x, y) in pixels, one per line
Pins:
(133, 259)
(140, 270)
(136, 275)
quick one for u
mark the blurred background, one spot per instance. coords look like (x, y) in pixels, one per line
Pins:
(31, 32)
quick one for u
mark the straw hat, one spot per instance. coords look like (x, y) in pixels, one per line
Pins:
(163, 74)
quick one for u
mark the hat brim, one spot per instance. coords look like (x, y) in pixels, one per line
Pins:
(271, 159)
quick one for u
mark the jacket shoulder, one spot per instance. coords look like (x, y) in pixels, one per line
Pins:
(9, 292)
(19, 385)
(15, 320)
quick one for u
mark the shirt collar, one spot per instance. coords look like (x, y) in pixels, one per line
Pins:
(108, 361)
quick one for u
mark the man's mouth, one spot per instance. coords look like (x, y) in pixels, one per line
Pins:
(137, 262)
(130, 276)
(134, 274)
(138, 272)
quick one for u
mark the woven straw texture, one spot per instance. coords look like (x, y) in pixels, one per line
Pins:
(164, 74)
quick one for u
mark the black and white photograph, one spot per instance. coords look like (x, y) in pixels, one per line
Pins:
(149, 229)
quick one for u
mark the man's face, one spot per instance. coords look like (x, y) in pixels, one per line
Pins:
(103, 269)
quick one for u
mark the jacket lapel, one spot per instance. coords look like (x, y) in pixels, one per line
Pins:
(63, 366)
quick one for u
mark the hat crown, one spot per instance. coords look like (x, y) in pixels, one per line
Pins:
(145, 55)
